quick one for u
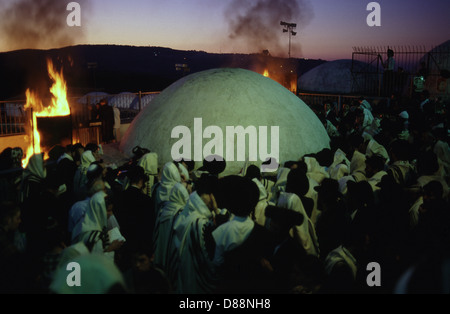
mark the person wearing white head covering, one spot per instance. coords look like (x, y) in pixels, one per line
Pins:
(170, 176)
(280, 184)
(149, 162)
(357, 171)
(162, 237)
(193, 266)
(315, 171)
(33, 177)
(340, 166)
(94, 227)
(80, 178)
(305, 234)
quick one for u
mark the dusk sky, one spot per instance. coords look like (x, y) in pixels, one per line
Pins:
(327, 29)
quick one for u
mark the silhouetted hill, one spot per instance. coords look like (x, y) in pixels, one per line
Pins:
(116, 69)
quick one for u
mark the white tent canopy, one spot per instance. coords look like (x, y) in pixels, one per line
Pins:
(93, 98)
(122, 100)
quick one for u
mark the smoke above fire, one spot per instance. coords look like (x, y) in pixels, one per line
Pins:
(255, 25)
(32, 24)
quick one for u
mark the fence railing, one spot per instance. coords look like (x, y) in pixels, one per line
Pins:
(14, 118)
(374, 74)
(317, 101)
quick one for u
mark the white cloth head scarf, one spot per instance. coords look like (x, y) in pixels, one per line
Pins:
(183, 171)
(87, 158)
(195, 207)
(98, 275)
(374, 148)
(76, 217)
(96, 216)
(358, 166)
(36, 167)
(149, 162)
(170, 176)
(340, 254)
(179, 196)
(315, 171)
(340, 166)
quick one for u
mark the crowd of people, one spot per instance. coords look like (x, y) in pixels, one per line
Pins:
(379, 195)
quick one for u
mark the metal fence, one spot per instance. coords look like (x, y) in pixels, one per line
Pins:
(317, 101)
(410, 63)
(14, 118)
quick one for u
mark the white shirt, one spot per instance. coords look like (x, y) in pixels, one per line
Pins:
(231, 235)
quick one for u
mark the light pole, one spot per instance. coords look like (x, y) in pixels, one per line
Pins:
(289, 28)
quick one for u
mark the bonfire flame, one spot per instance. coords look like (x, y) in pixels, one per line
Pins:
(58, 108)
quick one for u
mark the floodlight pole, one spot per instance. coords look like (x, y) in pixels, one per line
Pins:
(289, 28)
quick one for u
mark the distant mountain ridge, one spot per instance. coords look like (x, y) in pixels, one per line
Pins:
(115, 69)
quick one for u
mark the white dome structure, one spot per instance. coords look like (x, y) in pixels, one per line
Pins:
(337, 77)
(438, 82)
(227, 98)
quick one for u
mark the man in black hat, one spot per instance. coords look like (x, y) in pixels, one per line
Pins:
(214, 165)
(134, 214)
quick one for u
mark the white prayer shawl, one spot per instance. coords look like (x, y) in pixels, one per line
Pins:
(170, 176)
(365, 104)
(401, 171)
(375, 179)
(340, 254)
(358, 166)
(368, 118)
(332, 131)
(312, 194)
(183, 171)
(196, 271)
(315, 170)
(442, 151)
(280, 184)
(149, 162)
(263, 202)
(87, 158)
(95, 222)
(35, 171)
(162, 236)
(414, 212)
(305, 234)
(76, 217)
(374, 148)
(80, 179)
(64, 156)
(340, 165)
(231, 235)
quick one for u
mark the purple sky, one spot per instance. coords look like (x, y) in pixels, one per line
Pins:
(330, 32)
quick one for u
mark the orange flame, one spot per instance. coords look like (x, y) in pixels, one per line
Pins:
(266, 73)
(58, 108)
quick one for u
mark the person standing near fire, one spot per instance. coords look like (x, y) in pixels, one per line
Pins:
(116, 124)
(107, 119)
